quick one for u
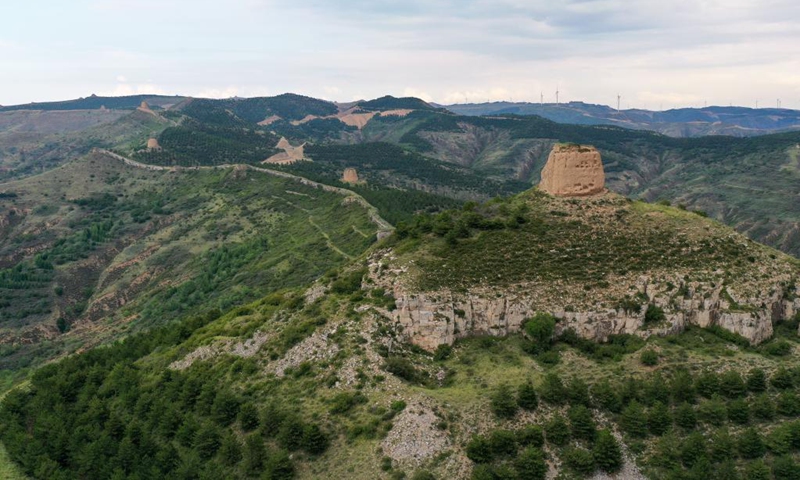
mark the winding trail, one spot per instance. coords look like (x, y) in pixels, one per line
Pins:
(384, 228)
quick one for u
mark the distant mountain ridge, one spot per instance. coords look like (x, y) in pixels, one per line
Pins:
(680, 122)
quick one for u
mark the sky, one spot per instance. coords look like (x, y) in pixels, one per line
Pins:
(655, 54)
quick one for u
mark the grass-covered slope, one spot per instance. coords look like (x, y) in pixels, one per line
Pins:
(583, 243)
(96, 248)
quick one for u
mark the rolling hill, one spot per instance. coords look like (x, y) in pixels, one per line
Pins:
(679, 122)
(328, 379)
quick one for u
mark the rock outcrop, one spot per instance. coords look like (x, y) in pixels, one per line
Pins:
(430, 319)
(350, 175)
(152, 144)
(573, 170)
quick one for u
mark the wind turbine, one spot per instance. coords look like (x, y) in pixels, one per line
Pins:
(541, 98)
(618, 99)
(556, 94)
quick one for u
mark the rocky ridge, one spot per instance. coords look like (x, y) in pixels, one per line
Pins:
(746, 299)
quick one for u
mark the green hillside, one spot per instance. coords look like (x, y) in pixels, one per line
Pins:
(306, 384)
(96, 249)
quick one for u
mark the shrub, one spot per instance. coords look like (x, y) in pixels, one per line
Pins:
(654, 314)
(479, 450)
(540, 329)
(404, 369)
(778, 348)
(503, 443)
(503, 403)
(279, 466)
(443, 352)
(649, 358)
(348, 283)
(423, 475)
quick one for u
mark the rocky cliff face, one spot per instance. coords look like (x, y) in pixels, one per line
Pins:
(430, 319)
(573, 170)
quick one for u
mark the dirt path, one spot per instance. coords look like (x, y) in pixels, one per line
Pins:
(328, 239)
(384, 228)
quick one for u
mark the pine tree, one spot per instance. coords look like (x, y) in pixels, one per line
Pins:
(581, 423)
(659, 419)
(763, 407)
(634, 421)
(230, 450)
(556, 431)
(606, 452)
(248, 417)
(578, 392)
(756, 380)
(526, 397)
(685, 416)
(315, 441)
(739, 411)
(280, 467)
(693, 449)
(731, 384)
(553, 390)
(503, 403)
(751, 445)
(530, 465)
(757, 470)
(606, 396)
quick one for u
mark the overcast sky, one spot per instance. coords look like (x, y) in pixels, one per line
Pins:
(656, 54)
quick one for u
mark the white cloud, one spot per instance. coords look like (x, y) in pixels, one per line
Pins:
(227, 92)
(127, 89)
(121, 78)
(421, 94)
